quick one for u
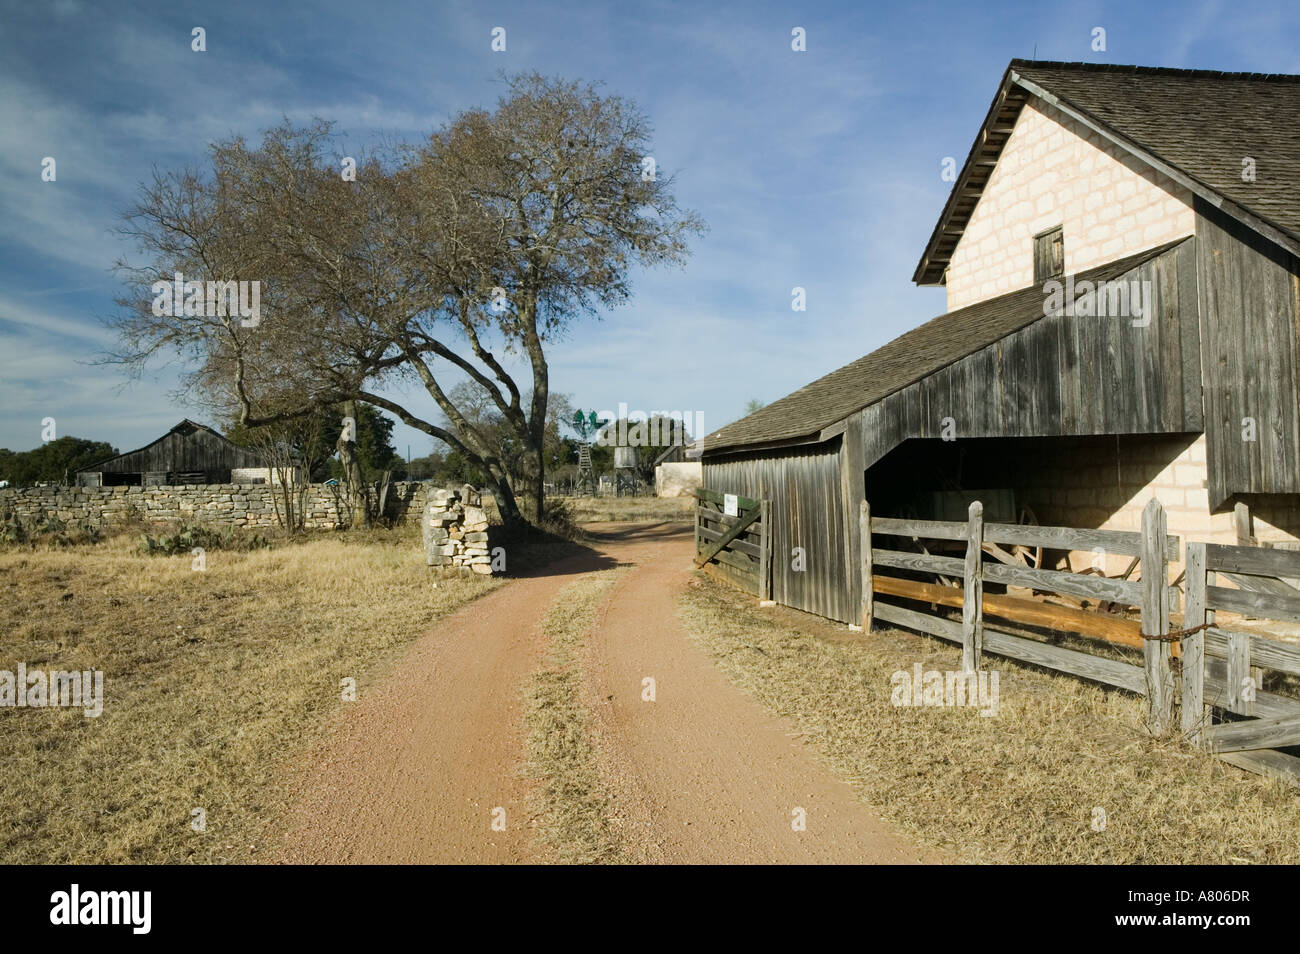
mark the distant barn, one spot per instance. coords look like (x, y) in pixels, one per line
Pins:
(189, 453)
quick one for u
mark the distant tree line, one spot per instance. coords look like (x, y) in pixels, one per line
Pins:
(53, 462)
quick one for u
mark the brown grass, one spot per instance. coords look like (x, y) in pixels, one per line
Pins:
(570, 804)
(211, 678)
(1020, 787)
(616, 509)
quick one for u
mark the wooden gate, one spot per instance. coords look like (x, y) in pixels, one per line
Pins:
(1222, 668)
(733, 538)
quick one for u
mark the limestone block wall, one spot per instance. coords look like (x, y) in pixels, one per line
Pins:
(1106, 483)
(1053, 171)
(678, 479)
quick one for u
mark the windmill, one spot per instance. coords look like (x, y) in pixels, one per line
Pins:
(585, 426)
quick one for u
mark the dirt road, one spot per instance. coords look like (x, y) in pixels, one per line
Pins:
(419, 769)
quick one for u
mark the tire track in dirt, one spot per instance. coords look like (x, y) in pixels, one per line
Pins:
(412, 771)
(704, 774)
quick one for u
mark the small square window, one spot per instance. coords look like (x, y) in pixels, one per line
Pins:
(1049, 255)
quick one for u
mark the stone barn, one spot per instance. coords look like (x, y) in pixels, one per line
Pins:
(1119, 253)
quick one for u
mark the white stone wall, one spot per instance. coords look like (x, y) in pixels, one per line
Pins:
(1108, 490)
(678, 479)
(1052, 172)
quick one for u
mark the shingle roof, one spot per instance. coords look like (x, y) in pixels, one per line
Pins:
(1199, 123)
(907, 359)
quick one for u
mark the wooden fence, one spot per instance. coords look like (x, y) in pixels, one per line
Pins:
(1222, 668)
(733, 537)
(1152, 549)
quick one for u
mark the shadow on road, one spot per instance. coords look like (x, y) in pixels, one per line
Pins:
(557, 557)
(637, 532)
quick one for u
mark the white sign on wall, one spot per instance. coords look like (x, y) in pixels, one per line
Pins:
(730, 505)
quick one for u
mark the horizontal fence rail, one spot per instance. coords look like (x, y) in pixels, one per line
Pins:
(1152, 549)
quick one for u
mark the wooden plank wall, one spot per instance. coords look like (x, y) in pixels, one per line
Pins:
(805, 488)
(1250, 307)
(1063, 376)
(200, 451)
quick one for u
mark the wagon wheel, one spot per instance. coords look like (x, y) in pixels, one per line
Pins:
(1029, 556)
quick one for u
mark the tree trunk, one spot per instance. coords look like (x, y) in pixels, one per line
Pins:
(507, 505)
(540, 491)
(354, 488)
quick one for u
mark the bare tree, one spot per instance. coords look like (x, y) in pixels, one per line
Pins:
(433, 266)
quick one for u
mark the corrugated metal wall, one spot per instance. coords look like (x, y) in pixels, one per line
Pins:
(807, 511)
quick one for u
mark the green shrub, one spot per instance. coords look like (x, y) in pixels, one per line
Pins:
(189, 536)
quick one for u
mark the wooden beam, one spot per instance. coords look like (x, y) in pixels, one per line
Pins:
(1119, 674)
(1193, 704)
(972, 608)
(1266, 605)
(712, 549)
(1241, 685)
(1241, 523)
(743, 546)
(868, 589)
(1253, 734)
(1155, 619)
(1125, 632)
(1253, 561)
(1264, 652)
(1278, 765)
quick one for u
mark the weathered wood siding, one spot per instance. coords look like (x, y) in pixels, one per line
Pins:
(805, 488)
(1250, 310)
(1063, 376)
(175, 452)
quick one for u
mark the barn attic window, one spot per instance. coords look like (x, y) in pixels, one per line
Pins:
(1049, 255)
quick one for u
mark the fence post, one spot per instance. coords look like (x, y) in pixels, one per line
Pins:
(868, 585)
(1193, 705)
(972, 603)
(699, 505)
(765, 555)
(1155, 619)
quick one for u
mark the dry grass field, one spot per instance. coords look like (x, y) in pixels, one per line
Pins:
(635, 509)
(1023, 786)
(211, 679)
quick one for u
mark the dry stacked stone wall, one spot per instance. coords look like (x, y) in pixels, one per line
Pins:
(454, 528)
(221, 505)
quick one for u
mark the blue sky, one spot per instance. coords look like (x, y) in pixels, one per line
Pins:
(817, 169)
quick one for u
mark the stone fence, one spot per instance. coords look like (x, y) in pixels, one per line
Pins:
(228, 505)
(454, 530)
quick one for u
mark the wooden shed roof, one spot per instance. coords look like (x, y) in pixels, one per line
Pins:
(162, 451)
(801, 417)
(1195, 126)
